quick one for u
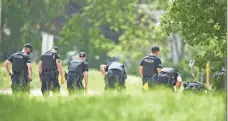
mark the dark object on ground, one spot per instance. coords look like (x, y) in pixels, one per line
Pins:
(194, 86)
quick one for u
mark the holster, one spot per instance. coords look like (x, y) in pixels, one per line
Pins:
(66, 75)
(11, 76)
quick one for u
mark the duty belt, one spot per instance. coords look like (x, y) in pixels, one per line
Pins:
(74, 73)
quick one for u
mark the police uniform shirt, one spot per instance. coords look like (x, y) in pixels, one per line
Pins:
(157, 63)
(173, 72)
(84, 65)
(52, 53)
(20, 55)
(115, 65)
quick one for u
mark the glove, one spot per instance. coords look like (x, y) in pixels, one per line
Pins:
(62, 80)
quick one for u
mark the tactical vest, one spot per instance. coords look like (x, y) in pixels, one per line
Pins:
(116, 66)
(168, 76)
(76, 66)
(165, 78)
(49, 61)
(149, 66)
(19, 64)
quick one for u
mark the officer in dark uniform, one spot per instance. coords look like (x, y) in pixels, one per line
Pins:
(150, 66)
(115, 75)
(49, 69)
(168, 77)
(77, 70)
(21, 69)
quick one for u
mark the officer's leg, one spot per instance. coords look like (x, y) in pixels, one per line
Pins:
(70, 84)
(15, 84)
(144, 81)
(79, 85)
(56, 85)
(106, 82)
(122, 83)
(45, 86)
(111, 83)
(150, 82)
(26, 84)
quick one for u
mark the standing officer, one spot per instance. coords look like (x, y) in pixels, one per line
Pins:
(77, 70)
(21, 69)
(49, 69)
(115, 75)
(150, 66)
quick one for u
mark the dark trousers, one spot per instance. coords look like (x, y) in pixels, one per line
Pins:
(159, 80)
(149, 80)
(115, 79)
(50, 83)
(74, 83)
(20, 83)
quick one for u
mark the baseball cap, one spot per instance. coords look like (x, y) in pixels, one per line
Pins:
(155, 48)
(28, 45)
(56, 48)
(82, 54)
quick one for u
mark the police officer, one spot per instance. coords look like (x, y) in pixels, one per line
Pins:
(21, 69)
(49, 68)
(168, 77)
(77, 70)
(150, 66)
(115, 75)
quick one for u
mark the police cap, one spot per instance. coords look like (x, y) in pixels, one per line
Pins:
(155, 48)
(56, 48)
(28, 45)
(82, 54)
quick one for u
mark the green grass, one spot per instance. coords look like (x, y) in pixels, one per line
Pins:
(160, 105)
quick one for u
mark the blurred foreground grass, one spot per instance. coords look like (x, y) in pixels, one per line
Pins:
(159, 105)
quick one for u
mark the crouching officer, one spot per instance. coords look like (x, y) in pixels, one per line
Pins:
(77, 70)
(115, 75)
(168, 77)
(49, 69)
(21, 68)
(150, 66)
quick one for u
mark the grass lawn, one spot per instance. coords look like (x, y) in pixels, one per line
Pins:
(159, 105)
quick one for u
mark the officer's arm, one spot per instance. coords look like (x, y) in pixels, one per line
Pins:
(30, 70)
(159, 65)
(141, 70)
(141, 67)
(40, 67)
(102, 69)
(179, 81)
(86, 79)
(28, 62)
(60, 68)
(6, 66)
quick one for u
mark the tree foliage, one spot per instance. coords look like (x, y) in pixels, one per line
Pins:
(125, 28)
(25, 19)
(203, 25)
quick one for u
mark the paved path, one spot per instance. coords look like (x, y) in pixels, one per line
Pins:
(37, 92)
